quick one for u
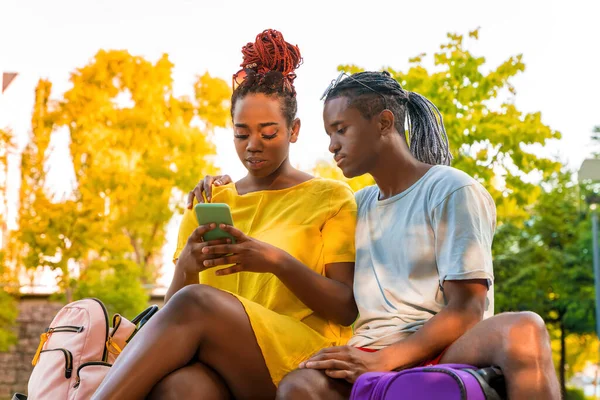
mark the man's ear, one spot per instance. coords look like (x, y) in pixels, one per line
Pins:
(387, 122)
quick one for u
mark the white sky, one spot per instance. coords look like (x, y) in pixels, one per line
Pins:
(560, 41)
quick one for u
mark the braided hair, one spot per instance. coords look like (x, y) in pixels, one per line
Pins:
(268, 67)
(372, 92)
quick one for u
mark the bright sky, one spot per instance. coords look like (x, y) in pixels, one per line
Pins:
(560, 42)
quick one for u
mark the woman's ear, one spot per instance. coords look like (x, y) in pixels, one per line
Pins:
(295, 130)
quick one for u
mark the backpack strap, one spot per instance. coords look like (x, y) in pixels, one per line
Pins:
(490, 379)
(145, 315)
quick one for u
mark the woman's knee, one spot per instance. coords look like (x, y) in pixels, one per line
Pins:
(195, 299)
(309, 384)
(172, 386)
(192, 381)
(527, 338)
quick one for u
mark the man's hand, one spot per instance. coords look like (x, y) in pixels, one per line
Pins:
(344, 362)
(205, 186)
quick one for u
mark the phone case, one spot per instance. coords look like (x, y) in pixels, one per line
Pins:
(218, 213)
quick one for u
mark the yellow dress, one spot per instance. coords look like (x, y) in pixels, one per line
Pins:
(314, 222)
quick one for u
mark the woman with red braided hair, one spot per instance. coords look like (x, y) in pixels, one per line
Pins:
(286, 289)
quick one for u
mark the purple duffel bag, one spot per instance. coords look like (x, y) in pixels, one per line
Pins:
(444, 381)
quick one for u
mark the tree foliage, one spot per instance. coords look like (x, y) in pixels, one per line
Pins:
(489, 137)
(135, 147)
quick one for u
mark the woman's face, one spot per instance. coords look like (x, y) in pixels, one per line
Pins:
(261, 135)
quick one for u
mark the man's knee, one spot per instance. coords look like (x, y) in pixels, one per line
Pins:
(527, 339)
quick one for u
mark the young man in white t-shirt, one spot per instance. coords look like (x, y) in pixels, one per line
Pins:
(423, 278)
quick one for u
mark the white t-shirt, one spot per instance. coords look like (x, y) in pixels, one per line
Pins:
(441, 228)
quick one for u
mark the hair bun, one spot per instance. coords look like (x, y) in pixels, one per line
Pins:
(270, 56)
(270, 52)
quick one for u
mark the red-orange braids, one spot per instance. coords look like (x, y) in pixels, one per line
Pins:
(271, 53)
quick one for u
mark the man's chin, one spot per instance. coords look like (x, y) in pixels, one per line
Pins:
(349, 173)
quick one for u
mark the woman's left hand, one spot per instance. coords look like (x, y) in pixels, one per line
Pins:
(247, 254)
(344, 362)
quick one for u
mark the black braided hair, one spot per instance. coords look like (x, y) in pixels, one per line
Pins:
(427, 138)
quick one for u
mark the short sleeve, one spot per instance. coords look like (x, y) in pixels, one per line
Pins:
(338, 230)
(464, 224)
(188, 224)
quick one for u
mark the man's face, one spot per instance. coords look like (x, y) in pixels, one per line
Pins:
(354, 139)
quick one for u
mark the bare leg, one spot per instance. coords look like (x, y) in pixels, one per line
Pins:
(199, 321)
(194, 381)
(520, 345)
(310, 384)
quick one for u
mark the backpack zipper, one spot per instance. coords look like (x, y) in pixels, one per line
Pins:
(65, 328)
(46, 335)
(68, 361)
(78, 378)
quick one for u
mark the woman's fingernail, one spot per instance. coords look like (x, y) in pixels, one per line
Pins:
(205, 250)
(206, 263)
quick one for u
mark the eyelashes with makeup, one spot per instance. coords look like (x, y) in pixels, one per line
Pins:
(267, 137)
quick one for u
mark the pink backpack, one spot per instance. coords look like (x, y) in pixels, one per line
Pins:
(77, 350)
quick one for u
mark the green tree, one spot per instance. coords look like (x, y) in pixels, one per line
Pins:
(8, 305)
(545, 266)
(117, 283)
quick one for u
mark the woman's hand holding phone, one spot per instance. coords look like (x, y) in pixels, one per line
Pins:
(192, 258)
(247, 254)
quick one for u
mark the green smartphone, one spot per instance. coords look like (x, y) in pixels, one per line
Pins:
(218, 213)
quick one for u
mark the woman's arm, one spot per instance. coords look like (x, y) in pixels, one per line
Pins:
(180, 280)
(329, 296)
(191, 258)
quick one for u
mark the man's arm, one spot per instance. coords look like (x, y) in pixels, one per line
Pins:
(466, 305)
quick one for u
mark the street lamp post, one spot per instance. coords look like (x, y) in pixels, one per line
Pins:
(596, 261)
(590, 171)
